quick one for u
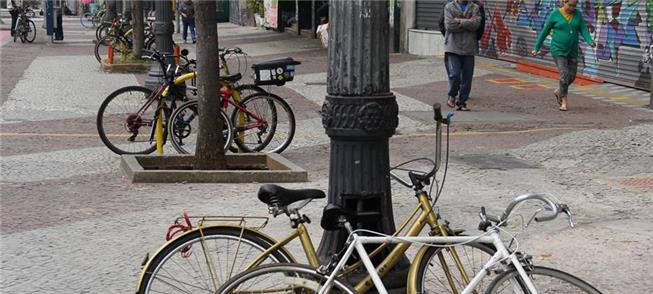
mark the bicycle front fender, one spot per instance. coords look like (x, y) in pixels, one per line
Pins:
(411, 286)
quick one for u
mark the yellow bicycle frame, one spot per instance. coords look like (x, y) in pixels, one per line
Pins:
(159, 125)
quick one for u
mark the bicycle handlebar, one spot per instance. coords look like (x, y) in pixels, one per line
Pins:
(233, 50)
(554, 208)
(419, 178)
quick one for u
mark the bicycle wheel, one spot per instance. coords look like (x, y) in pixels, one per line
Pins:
(30, 31)
(245, 91)
(200, 261)
(102, 47)
(184, 124)
(86, 20)
(546, 280)
(438, 273)
(102, 31)
(120, 125)
(282, 278)
(266, 123)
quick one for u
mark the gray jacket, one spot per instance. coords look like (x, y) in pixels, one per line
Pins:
(188, 9)
(461, 37)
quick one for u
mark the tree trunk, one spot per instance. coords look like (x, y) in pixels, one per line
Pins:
(209, 153)
(139, 27)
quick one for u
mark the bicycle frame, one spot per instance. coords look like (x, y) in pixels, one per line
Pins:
(426, 216)
(357, 242)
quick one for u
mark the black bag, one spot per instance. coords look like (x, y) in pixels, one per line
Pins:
(481, 27)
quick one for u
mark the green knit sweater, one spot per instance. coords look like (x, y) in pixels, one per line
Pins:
(564, 38)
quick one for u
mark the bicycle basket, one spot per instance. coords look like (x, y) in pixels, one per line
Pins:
(275, 72)
(236, 63)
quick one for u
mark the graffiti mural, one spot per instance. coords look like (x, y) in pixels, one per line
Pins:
(622, 30)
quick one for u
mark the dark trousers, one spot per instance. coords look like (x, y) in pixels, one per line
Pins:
(460, 69)
(567, 67)
(189, 25)
(58, 32)
(14, 20)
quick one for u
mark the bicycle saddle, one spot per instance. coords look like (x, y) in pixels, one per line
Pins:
(331, 217)
(232, 78)
(271, 194)
(275, 62)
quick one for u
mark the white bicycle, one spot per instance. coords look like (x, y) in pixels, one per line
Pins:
(514, 271)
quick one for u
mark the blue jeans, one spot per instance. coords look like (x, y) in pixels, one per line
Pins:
(460, 69)
(187, 25)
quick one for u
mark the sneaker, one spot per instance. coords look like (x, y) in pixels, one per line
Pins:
(462, 108)
(451, 101)
(194, 41)
(185, 42)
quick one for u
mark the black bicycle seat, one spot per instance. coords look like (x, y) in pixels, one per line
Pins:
(332, 213)
(232, 78)
(271, 194)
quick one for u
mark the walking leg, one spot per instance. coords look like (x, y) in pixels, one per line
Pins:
(453, 64)
(467, 76)
(184, 33)
(563, 68)
(192, 31)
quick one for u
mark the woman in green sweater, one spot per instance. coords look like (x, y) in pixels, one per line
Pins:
(564, 24)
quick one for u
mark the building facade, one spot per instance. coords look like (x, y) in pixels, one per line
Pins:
(622, 29)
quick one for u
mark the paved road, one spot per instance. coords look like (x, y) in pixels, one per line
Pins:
(72, 223)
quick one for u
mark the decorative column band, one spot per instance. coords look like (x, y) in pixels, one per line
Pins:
(360, 116)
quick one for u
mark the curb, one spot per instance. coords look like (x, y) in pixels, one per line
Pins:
(552, 72)
(242, 168)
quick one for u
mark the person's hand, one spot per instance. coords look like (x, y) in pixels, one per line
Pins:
(535, 53)
(456, 20)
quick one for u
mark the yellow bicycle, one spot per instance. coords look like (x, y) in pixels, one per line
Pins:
(211, 250)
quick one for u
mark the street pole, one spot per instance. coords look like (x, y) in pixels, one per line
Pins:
(163, 29)
(360, 114)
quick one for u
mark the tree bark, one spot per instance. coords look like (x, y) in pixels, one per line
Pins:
(209, 153)
(139, 27)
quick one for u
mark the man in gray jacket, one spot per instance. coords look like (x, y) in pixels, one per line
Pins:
(461, 19)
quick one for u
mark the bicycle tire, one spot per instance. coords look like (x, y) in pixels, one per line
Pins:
(544, 279)
(282, 278)
(184, 123)
(244, 90)
(271, 134)
(168, 263)
(431, 278)
(30, 33)
(115, 117)
(150, 44)
(116, 45)
(86, 20)
(102, 31)
(97, 18)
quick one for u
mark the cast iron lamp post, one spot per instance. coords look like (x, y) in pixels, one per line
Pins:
(163, 29)
(360, 114)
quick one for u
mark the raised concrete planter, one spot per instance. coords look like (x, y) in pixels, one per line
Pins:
(241, 168)
(125, 67)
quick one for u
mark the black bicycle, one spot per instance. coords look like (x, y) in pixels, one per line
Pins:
(25, 28)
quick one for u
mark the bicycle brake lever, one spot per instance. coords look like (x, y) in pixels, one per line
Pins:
(564, 208)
